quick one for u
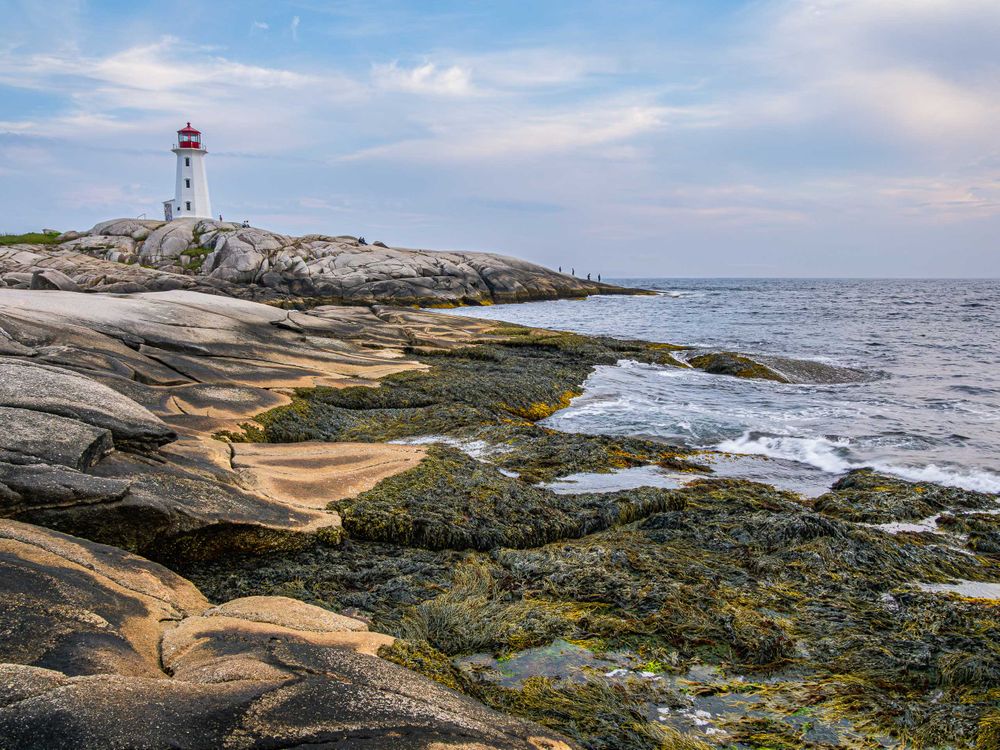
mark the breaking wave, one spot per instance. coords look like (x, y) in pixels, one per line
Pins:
(833, 455)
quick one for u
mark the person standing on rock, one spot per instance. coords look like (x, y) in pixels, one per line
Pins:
(588, 277)
(572, 271)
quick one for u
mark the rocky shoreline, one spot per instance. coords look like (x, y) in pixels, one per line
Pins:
(215, 257)
(258, 527)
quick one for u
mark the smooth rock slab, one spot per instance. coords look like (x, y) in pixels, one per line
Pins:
(291, 613)
(314, 474)
(84, 608)
(29, 487)
(28, 436)
(52, 390)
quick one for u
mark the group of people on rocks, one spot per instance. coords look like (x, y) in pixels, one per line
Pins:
(572, 272)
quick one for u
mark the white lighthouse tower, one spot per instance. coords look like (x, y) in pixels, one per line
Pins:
(191, 192)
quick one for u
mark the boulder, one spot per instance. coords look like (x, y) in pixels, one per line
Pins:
(736, 365)
(136, 229)
(101, 245)
(168, 241)
(50, 278)
(242, 256)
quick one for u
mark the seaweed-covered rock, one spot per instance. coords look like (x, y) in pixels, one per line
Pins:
(868, 497)
(737, 365)
(451, 501)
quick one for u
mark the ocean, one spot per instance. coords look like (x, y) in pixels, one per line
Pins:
(929, 409)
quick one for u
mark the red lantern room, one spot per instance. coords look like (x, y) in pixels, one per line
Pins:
(188, 137)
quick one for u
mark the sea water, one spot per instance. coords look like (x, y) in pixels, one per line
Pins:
(929, 410)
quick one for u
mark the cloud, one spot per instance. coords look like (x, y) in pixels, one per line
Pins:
(135, 88)
(294, 27)
(261, 25)
(472, 136)
(165, 65)
(423, 79)
(527, 68)
(896, 67)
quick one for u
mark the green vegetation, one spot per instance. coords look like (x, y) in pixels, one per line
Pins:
(30, 238)
(452, 501)
(197, 257)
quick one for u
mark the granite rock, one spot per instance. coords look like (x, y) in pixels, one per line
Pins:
(257, 264)
(103, 649)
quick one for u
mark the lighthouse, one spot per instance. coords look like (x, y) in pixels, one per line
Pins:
(191, 191)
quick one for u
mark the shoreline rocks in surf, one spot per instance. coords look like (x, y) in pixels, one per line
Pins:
(779, 606)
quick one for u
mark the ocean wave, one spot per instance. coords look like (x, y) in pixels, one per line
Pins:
(822, 453)
(833, 456)
(678, 293)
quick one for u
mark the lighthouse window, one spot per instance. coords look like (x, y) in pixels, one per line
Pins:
(187, 161)
(187, 205)
(187, 183)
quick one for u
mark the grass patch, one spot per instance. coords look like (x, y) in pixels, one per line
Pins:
(30, 238)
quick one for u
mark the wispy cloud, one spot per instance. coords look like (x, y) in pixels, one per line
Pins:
(426, 78)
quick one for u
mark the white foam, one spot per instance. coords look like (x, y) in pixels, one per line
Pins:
(474, 448)
(971, 589)
(830, 455)
(821, 453)
(898, 527)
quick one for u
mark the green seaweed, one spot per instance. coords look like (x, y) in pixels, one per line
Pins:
(452, 501)
(800, 609)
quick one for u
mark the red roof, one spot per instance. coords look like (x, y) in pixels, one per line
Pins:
(189, 130)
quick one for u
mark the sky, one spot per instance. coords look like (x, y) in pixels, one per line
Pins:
(627, 138)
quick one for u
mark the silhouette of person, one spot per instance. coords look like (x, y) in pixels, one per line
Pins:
(598, 278)
(573, 271)
(588, 277)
